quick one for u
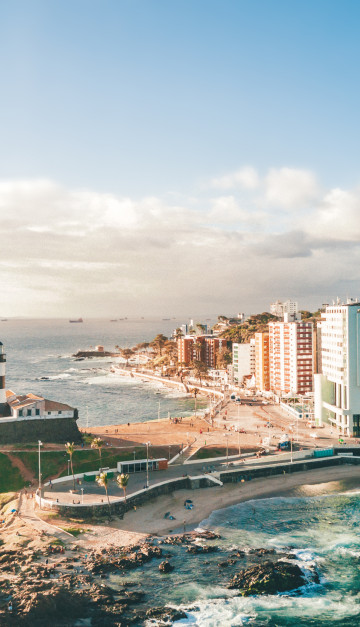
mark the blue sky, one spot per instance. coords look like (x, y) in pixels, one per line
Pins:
(143, 110)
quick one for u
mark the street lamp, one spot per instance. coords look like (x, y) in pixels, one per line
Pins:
(40, 444)
(226, 435)
(68, 466)
(147, 444)
(82, 496)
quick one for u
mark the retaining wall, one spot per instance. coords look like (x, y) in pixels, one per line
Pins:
(119, 507)
(59, 430)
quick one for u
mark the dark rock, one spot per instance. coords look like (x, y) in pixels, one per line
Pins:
(262, 552)
(268, 578)
(165, 567)
(165, 614)
(198, 548)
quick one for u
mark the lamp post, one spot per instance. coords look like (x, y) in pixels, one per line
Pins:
(291, 450)
(68, 466)
(82, 496)
(40, 444)
(226, 435)
(147, 463)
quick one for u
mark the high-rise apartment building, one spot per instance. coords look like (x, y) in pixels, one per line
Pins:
(337, 387)
(262, 366)
(291, 357)
(200, 348)
(279, 309)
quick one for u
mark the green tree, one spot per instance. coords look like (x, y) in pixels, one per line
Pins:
(224, 358)
(158, 343)
(103, 481)
(70, 449)
(200, 369)
(126, 353)
(98, 443)
(122, 481)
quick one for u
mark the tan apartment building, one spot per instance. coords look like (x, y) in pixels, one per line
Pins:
(262, 365)
(291, 357)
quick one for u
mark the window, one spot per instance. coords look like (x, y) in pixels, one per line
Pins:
(37, 412)
(28, 413)
(20, 412)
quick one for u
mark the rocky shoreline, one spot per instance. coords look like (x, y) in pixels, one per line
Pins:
(51, 586)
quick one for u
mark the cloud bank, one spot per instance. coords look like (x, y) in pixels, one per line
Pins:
(235, 246)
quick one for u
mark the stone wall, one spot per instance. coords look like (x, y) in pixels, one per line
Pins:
(120, 508)
(234, 476)
(59, 430)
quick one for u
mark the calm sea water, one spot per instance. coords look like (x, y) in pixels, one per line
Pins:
(44, 348)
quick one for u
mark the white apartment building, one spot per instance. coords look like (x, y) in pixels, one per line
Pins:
(337, 387)
(243, 360)
(279, 309)
(291, 357)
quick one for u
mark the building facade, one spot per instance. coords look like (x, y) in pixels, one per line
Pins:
(243, 361)
(291, 357)
(279, 309)
(337, 387)
(262, 365)
(203, 348)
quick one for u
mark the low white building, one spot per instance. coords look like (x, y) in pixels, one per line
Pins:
(243, 361)
(31, 406)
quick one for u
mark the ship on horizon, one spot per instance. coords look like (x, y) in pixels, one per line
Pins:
(77, 320)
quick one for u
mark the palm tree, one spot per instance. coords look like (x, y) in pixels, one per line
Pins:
(103, 481)
(70, 449)
(126, 353)
(158, 343)
(195, 393)
(123, 480)
(98, 443)
(178, 333)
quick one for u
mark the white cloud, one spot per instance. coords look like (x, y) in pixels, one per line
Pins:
(106, 253)
(289, 188)
(338, 216)
(247, 178)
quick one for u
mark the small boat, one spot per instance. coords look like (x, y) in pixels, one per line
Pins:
(77, 320)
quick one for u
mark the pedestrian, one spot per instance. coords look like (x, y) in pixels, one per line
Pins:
(10, 606)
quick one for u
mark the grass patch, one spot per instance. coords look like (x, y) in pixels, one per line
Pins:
(206, 452)
(75, 531)
(55, 463)
(6, 497)
(10, 476)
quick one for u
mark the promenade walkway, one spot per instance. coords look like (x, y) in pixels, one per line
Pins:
(29, 517)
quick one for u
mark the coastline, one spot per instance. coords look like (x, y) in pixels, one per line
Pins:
(148, 520)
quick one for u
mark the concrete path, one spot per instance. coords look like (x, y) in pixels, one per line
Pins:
(29, 517)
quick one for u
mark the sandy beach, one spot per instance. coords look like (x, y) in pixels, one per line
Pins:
(149, 519)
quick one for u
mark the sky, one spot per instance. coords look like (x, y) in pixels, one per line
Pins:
(178, 157)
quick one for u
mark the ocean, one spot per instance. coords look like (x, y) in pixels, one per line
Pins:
(39, 360)
(315, 527)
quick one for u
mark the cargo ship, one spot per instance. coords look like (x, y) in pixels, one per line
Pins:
(77, 320)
